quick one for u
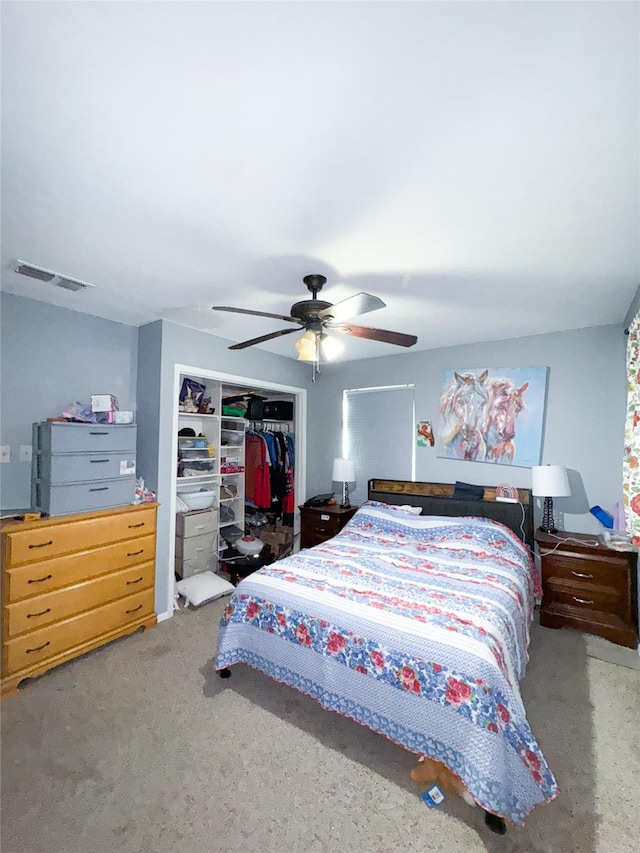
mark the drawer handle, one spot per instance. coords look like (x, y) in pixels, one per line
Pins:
(581, 600)
(131, 526)
(135, 553)
(98, 460)
(42, 612)
(39, 580)
(582, 575)
(99, 489)
(134, 609)
(104, 432)
(137, 580)
(42, 544)
(39, 648)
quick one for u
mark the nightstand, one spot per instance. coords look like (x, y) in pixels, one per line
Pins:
(589, 587)
(319, 523)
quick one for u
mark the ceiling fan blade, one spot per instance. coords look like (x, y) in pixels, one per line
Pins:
(386, 337)
(256, 313)
(352, 306)
(263, 338)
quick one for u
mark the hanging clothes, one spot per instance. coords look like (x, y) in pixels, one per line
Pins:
(269, 470)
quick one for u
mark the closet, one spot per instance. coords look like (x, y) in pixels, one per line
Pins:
(234, 467)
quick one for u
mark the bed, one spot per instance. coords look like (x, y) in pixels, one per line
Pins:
(414, 625)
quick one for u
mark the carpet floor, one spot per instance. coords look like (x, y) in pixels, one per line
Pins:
(140, 746)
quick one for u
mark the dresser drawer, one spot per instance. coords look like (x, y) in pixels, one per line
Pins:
(78, 438)
(37, 578)
(33, 613)
(34, 544)
(196, 523)
(82, 497)
(84, 467)
(38, 646)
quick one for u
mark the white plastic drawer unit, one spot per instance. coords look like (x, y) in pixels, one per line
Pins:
(82, 497)
(59, 437)
(196, 523)
(84, 467)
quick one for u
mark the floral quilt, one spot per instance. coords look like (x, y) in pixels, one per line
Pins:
(415, 626)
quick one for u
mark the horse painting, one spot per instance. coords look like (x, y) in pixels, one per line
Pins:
(478, 416)
(461, 410)
(503, 406)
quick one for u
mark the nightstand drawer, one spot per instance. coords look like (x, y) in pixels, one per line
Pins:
(582, 599)
(586, 573)
(588, 586)
(322, 523)
(320, 527)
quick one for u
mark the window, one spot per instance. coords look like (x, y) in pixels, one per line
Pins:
(377, 433)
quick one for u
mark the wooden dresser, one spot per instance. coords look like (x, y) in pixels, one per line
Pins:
(72, 583)
(319, 523)
(589, 587)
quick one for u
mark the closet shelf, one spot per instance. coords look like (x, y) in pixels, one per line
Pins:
(196, 478)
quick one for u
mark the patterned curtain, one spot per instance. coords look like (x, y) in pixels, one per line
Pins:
(631, 461)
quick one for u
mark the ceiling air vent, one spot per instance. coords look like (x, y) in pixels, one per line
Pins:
(70, 284)
(55, 278)
(32, 272)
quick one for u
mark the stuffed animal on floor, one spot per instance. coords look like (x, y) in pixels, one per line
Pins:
(436, 781)
(430, 773)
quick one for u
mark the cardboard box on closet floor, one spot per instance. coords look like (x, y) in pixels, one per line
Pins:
(278, 538)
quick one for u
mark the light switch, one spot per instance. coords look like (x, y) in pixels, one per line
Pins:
(5, 453)
(25, 453)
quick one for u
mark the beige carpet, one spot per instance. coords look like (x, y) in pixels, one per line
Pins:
(141, 747)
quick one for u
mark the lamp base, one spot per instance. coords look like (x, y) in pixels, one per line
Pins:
(345, 497)
(548, 524)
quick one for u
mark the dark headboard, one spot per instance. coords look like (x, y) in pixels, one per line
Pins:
(437, 499)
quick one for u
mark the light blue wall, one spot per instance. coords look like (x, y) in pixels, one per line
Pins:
(634, 308)
(179, 345)
(586, 403)
(51, 357)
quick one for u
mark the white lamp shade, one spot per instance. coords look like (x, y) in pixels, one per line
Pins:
(306, 346)
(344, 470)
(550, 481)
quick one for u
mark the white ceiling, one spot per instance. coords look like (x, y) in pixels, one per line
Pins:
(473, 164)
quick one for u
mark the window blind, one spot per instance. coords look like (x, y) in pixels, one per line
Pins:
(378, 426)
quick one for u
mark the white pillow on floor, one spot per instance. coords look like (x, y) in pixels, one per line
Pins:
(198, 589)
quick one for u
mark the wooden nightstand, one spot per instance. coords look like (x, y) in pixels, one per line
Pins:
(589, 587)
(319, 523)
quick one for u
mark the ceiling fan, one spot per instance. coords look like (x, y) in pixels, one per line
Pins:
(316, 316)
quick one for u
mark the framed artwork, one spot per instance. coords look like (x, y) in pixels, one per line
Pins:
(424, 434)
(492, 414)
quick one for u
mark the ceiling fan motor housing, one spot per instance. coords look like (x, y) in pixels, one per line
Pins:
(308, 312)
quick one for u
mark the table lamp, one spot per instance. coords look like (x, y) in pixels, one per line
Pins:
(549, 482)
(344, 471)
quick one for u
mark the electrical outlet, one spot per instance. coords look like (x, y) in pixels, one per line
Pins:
(5, 453)
(25, 453)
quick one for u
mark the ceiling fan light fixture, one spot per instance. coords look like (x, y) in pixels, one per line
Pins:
(306, 345)
(330, 348)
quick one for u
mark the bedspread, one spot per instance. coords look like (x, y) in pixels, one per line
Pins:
(417, 627)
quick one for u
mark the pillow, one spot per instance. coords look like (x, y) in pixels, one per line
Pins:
(468, 492)
(198, 589)
(406, 509)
